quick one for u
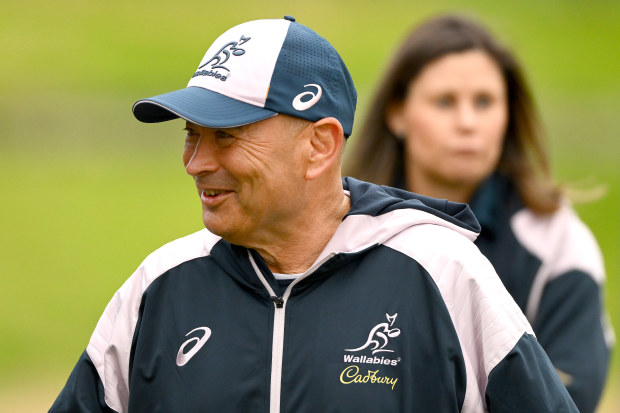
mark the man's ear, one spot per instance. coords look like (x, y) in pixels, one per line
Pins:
(326, 141)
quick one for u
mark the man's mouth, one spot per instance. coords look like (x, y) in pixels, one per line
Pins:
(213, 192)
(213, 196)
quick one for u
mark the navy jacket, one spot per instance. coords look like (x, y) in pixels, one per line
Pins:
(399, 313)
(552, 266)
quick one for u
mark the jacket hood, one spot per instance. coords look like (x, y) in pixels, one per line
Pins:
(380, 212)
(374, 200)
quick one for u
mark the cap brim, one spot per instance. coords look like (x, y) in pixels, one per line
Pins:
(200, 106)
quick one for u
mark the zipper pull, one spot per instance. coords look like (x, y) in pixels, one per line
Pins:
(278, 301)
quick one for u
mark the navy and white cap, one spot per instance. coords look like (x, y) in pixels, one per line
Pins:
(256, 70)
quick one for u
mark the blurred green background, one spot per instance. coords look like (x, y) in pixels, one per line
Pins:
(88, 192)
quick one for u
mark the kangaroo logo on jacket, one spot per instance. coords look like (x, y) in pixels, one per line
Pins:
(380, 335)
(378, 342)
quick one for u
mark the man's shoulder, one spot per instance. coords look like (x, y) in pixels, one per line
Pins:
(432, 241)
(198, 244)
(451, 259)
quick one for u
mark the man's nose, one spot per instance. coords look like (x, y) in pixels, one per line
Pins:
(200, 158)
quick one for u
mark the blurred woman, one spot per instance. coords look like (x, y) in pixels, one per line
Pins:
(453, 118)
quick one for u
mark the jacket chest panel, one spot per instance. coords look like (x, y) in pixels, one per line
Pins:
(339, 357)
(363, 338)
(353, 341)
(210, 351)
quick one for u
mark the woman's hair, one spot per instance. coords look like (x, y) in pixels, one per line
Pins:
(378, 155)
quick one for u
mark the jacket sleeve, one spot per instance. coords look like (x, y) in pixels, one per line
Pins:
(83, 391)
(565, 302)
(106, 362)
(506, 368)
(525, 381)
(570, 327)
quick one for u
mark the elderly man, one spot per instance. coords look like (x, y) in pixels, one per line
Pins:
(306, 292)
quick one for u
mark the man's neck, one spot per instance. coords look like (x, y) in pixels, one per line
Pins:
(296, 252)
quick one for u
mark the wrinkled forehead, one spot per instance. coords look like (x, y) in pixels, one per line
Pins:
(280, 123)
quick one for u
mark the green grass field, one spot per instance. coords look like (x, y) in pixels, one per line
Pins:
(88, 191)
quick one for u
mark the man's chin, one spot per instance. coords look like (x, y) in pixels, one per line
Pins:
(218, 228)
(213, 228)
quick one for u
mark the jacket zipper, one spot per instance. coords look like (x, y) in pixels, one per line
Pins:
(277, 349)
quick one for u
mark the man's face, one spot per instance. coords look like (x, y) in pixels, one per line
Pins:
(248, 177)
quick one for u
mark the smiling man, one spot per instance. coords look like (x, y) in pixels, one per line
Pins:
(306, 292)
(266, 185)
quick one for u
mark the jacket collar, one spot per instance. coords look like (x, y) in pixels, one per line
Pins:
(494, 199)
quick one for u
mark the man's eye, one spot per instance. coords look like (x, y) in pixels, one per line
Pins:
(191, 137)
(220, 134)
(223, 138)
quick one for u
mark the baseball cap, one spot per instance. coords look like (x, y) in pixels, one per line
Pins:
(256, 70)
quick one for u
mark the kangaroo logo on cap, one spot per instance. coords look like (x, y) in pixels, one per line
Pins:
(300, 105)
(223, 54)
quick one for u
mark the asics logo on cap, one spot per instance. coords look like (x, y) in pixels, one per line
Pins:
(183, 358)
(300, 105)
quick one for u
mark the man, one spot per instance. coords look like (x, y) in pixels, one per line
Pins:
(305, 292)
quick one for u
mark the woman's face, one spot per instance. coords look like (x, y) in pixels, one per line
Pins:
(453, 120)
